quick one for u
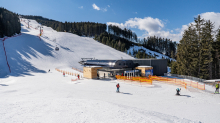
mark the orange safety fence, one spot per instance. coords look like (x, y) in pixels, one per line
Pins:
(74, 79)
(181, 82)
(77, 70)
(135, 79)
(68, 73)
(169, 81)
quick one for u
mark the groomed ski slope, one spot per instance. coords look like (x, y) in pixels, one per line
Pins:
(31, 94)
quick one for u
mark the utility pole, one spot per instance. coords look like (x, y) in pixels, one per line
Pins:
(40, 30)
(28, 23)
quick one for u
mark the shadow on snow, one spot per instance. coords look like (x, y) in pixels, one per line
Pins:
(26, 45)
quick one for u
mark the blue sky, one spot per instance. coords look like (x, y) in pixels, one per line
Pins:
(164, 18)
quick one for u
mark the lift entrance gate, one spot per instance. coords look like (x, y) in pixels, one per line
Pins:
(131, 73)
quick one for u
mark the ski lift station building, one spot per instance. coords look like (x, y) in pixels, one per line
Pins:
(127, 67)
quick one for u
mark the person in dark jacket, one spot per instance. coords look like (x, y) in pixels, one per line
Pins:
(118, 86)
(97, 76)
(178, 91)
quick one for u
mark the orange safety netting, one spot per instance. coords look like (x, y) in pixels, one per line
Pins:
(181, 82)
(169, 81)
(67, 72)
(136, 79)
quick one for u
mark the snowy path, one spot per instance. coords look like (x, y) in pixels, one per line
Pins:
(49, 100)
(51, 97)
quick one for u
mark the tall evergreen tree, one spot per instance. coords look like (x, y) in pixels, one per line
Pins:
(216, 59)
(206, 50)
(199, 24)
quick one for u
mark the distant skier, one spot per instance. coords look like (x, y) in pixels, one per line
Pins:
(104, 75)
(97, 76)
(217, 88)
(48, 70)
(63, 74)
(78, 76)
(178, 91)
(118, 86)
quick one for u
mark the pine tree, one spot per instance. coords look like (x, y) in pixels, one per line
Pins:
(174, 67)
(123, 47)
(104, 40)
(126, 51)
(182, 54)
(130, 53)
(206, 50)
(216, 59)
(199, 23)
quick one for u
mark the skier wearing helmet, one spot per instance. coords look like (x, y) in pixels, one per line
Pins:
(178, 91)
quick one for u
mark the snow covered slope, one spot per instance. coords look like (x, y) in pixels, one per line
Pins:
(31, 94)
(27, 53)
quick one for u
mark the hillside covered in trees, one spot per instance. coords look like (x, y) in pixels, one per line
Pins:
(198, 53)
(79, 28)
(9, 23)
(111, 35)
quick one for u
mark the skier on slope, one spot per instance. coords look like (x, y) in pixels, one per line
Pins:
(118, 86)
(78, 76)
(63, 74)
(48, 70)
(178, 91)
(217, 88)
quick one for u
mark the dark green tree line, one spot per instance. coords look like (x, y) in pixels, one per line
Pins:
(9, 23)
(79, 28)
(160, 45)
(124, 33)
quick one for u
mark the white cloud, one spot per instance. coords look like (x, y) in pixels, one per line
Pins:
(95, 6)
(155, 26)
(121, 25)
(213, 17)
(151, 26)
(148, 24)
(104, 9)
(81, 7)
(108, 6)
(98, 8)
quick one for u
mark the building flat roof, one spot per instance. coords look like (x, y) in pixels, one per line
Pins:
(144, 66)
(93, 66)
(213, 80)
